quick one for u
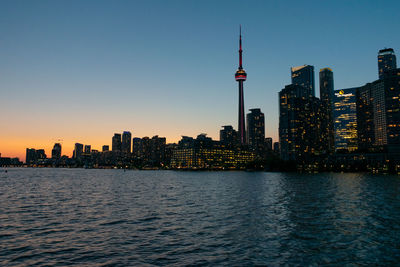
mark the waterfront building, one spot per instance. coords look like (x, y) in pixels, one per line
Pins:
(240, 77)
(78, 151)
(116, 142)
(299, 124)
(326, 87)
(126, 142)
(386, 61)
(228, 136)
(256, 131)
(105, 148)
(378, 114)
(204, 153)
(56, 152)
(345, 120)
(304, 76)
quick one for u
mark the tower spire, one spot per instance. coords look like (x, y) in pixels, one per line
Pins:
(240, 47)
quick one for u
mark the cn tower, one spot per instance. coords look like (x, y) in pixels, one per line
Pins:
(240, 77)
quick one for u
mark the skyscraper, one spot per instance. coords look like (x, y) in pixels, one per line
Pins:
(378, 114)
(240, 77)
(78, 151)
(386, 61)
(56, 152)
(304, 76)
(116, 142)
(345, 116)
(126, 142)
(256, 130)
(299, 124)
(326, 95)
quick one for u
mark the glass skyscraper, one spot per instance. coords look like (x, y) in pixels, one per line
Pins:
(345, 120)
(304, 76)
(386, 61)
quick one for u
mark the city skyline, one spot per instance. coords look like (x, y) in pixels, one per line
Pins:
(55, 87)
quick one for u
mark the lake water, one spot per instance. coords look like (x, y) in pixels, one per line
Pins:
(114, 218)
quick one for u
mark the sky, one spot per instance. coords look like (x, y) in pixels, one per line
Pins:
(80, 71)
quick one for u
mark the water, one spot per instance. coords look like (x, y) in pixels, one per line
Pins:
(114, 218)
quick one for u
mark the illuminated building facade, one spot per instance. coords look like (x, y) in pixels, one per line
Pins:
(386, 61)
(240, 77)
(256, 130)
(345, 120)
(304, 76)
(205, 153)
(326, 88)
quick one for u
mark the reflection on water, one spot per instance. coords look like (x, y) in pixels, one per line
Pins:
(100, 217)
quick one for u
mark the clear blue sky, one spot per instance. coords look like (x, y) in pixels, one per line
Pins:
(82, 70)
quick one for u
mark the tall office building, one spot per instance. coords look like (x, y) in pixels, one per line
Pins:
(56, 152)
(240, 77)
(378, 114)
(299, 124)
(304, 76)
(386, 61)
(78, 151)
(105, 148)
(228, 136)
(326, 95)
(126, 142)
(256, 130)
(345, 116)
(116, 142)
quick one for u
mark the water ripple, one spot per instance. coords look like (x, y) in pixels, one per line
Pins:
(80, 217)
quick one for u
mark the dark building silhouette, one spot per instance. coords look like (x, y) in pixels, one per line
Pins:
(386, 61)
(277, 147)
(304, 76)
(136, 147)
(256, 130)
(88, 149)
(40, 154)
(268, 144)
(116, 142)
(345, 116)
(78, 151)
(299, 124)
(228, 136)
(126, 142)
(326, 88)
(240, 77)
(56, 152)
(105, 148)
(157, 148)
(30, 156)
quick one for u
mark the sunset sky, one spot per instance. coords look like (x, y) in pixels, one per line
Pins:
(80, 71)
